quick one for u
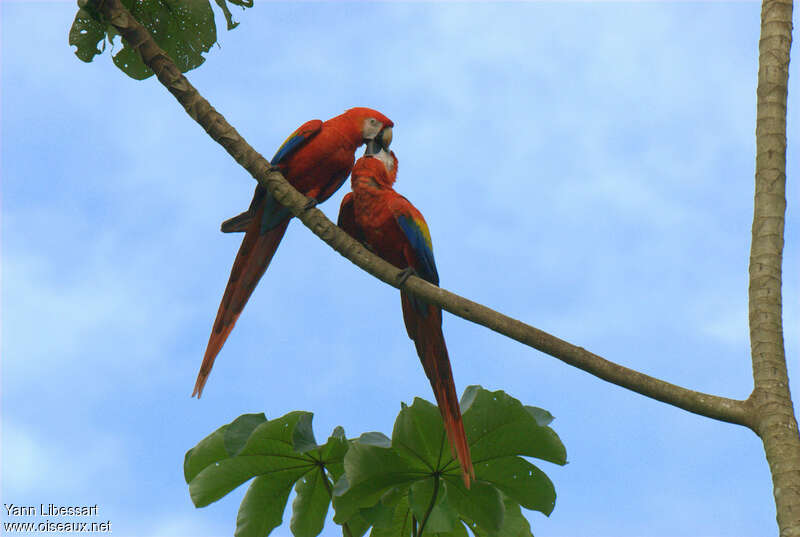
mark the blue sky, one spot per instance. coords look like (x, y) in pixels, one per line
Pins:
(584, 167)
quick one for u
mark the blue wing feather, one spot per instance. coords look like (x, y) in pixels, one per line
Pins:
(274, 212)
(291, 143)
(305, 132)
(421, 246)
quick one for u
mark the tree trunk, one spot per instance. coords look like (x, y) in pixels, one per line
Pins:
(774, 420)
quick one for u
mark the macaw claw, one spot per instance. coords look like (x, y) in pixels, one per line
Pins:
(404, 274)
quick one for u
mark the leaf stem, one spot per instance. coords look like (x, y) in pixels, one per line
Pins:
(345, 528)
(430, 506)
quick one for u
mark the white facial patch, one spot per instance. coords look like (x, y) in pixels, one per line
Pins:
(386, 158)
(371, 128)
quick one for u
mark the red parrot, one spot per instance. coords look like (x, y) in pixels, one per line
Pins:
(316, 159)
(394, 229)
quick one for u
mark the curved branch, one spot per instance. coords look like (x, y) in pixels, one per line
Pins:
(720, 408)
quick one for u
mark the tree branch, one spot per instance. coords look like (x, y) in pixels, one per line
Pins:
(775, 420)
(720, 408)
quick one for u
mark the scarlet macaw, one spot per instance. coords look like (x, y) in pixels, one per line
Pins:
(316, 159)
(394, 229)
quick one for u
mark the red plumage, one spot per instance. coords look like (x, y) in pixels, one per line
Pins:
(396, 231)
(316, 159)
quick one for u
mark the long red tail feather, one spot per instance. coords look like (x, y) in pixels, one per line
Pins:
(251, 262)
(432, 351)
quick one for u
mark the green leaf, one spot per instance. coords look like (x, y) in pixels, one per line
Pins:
(219, 479)
(419, 437)
(443, 517)
(332, 453)
(184, 29)
(240, 430)
(468, 397)
(86, 32)
(459, 530)
(514, 523)
(381, 483)
(542, 416)
(379, 515)
(310, 506)
(358, 525)
(303, 437)
(370, 471)
(375, 439)
(261, 510)
(400, 525)
(208, 451)
(499, 429)
(313, 498)
(393, 496)
(268, 451)
(521, 481)
(497, 425)
(227, 12)
(481, 504)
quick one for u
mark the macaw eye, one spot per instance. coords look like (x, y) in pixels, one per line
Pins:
(373, 122)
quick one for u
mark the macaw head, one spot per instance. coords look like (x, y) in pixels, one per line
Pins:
(380, 167)
(374, 127)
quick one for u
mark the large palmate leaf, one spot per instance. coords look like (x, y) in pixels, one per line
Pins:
(185, 29)
(418, 465)
(277, 455)
(406, 486)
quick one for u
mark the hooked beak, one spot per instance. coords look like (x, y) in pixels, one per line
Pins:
(385, 138)
(380, 142)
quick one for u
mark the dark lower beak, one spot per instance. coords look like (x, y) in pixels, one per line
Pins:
(373, 148)
(380, 142)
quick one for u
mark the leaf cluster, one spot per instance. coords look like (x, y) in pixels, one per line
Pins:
(184, 29)
(406, 486)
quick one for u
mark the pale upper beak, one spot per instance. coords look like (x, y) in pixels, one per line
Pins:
(381, 141)
(385, 137)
